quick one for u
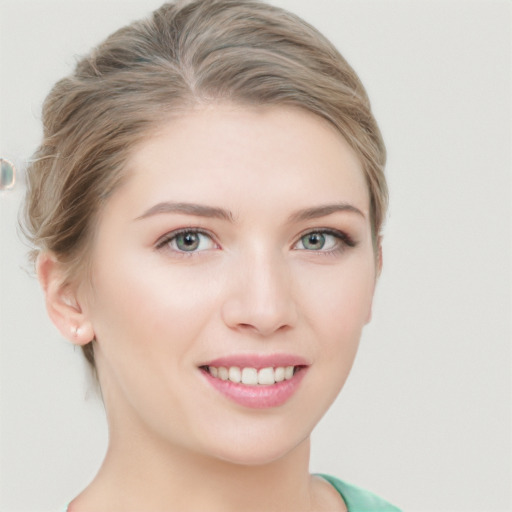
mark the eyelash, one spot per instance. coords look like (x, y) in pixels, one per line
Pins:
(343, 240)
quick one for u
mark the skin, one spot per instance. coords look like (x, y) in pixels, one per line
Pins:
(252, 286)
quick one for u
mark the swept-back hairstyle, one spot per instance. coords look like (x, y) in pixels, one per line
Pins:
(186, 54)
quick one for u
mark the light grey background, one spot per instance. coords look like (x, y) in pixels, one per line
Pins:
(425, 418)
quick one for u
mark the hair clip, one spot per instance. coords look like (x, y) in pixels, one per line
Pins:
(7, 174)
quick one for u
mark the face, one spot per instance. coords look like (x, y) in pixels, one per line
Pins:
(238, 248)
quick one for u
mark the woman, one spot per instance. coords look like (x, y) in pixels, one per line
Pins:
(206, 208)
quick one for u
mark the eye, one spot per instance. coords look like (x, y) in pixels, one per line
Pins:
(324, 240)
(187, 241)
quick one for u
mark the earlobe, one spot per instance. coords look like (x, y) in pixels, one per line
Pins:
(62, 305)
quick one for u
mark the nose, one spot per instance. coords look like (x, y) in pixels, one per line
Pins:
(260, 296)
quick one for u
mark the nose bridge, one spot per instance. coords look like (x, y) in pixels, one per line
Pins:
(261, 296)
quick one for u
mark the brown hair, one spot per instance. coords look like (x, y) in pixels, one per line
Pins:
(187, 53)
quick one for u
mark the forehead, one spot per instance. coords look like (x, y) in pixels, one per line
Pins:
(239, 155)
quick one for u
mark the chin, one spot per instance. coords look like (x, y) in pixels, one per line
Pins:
(257, 448)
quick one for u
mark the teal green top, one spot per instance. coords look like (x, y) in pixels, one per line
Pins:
(359, 500)
(356, 499)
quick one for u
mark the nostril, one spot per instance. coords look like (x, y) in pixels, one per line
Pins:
(263, 329)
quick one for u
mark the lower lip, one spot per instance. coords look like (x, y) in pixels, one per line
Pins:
(258, 397)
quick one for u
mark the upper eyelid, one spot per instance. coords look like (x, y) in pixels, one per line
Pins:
(329, 231)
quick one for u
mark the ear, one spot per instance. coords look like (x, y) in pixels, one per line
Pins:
(378, 270)
(62, 305)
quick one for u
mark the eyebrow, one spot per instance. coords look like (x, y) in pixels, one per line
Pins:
(323, 211)
(200, 210)
(197, 210)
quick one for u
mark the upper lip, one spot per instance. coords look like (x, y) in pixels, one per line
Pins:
(257, 361)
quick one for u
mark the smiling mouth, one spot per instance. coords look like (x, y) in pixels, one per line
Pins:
(249, 376)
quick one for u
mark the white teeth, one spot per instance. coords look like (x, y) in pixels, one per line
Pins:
(266, 376)
(251, 376)
(279, 374)
(235, 375)
(288, 372)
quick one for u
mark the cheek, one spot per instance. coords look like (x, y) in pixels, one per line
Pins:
(149, 307)
(342, 305)
(146, 321)
(340, 299)
(339, 306)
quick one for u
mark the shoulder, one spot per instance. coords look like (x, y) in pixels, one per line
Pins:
(357, 499)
